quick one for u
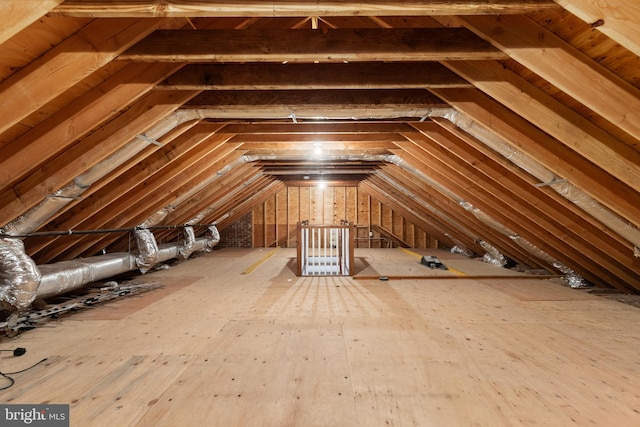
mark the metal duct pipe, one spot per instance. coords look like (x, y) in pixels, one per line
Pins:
(460, 248)
(23, 281)
(215, 237)
(66, 276)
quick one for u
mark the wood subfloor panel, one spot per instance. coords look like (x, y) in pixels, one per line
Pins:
(266, 348)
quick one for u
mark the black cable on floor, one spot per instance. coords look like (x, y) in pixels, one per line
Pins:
(11, 380)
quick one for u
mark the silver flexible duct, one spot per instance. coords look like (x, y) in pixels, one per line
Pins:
(574, 194)
(571, 277)
(54, 202)
(65, 276)
(146, 242)
(214, 239)
(19, 275)
(21, 280)
(148, 249)
(493, 255)
(459, 248)
(188, 242)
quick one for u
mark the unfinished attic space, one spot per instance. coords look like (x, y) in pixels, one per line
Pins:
(320, 213)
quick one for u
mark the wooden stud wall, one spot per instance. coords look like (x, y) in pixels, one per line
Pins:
(275, 220)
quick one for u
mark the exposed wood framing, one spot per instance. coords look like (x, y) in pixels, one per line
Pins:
(23, 13)
(608, 18)
(358, 75)
(152, 8)
(296, 45)
(399, 99)
(587, 81)
(94, 46)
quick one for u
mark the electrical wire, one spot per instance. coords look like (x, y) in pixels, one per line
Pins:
(11, 380)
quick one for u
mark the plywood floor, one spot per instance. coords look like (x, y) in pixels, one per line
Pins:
(216, 347)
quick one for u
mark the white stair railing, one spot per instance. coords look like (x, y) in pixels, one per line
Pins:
(325, 250)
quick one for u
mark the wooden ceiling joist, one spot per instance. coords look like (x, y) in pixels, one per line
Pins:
(262, 8)
(316, 104)
(353, 75)
(385, 139)
(339, 45)
(328, 148)
(317, 128)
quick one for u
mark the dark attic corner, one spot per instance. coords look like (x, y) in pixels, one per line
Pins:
(319, 213)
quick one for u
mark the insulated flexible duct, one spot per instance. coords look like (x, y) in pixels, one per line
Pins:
(459, 248)
(146, 242)
(52, 203)
(188, 242)
(148, 249)
(19, 275)
(494, 257)
(66, 276)
(574, 194)
(22, 281)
